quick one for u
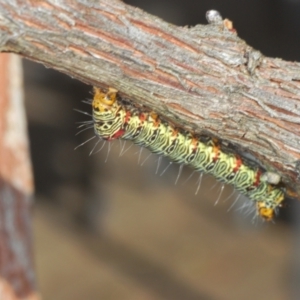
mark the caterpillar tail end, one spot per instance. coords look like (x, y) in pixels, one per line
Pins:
(266, 213)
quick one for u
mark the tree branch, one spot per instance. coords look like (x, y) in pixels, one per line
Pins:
(204, 79)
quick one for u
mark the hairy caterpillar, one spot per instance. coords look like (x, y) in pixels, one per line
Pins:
(115, 119)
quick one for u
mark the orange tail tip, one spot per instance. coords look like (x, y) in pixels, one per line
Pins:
(265, 212)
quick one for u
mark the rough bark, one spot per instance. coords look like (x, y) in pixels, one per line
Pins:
(204, 79)
(17, 278)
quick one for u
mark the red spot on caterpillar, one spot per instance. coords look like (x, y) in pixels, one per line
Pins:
(216, 151)
(142, 117)
(194, 144)
(174, 132)
(127, 117)
(257, 178)
(239, 163)
(117, 135)
(155, 118)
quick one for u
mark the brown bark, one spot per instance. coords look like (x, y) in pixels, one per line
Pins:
(204, 79)
(17, 279)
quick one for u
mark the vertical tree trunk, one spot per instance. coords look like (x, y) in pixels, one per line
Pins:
(17, 277)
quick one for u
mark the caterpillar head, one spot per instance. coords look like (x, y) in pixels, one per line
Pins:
(104, 102)
(107, 114)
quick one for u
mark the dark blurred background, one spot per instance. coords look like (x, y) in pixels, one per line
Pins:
(108, 228)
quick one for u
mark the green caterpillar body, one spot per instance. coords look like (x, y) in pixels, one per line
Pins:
(114, 120)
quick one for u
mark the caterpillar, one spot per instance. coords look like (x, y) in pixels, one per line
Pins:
(116, 119)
